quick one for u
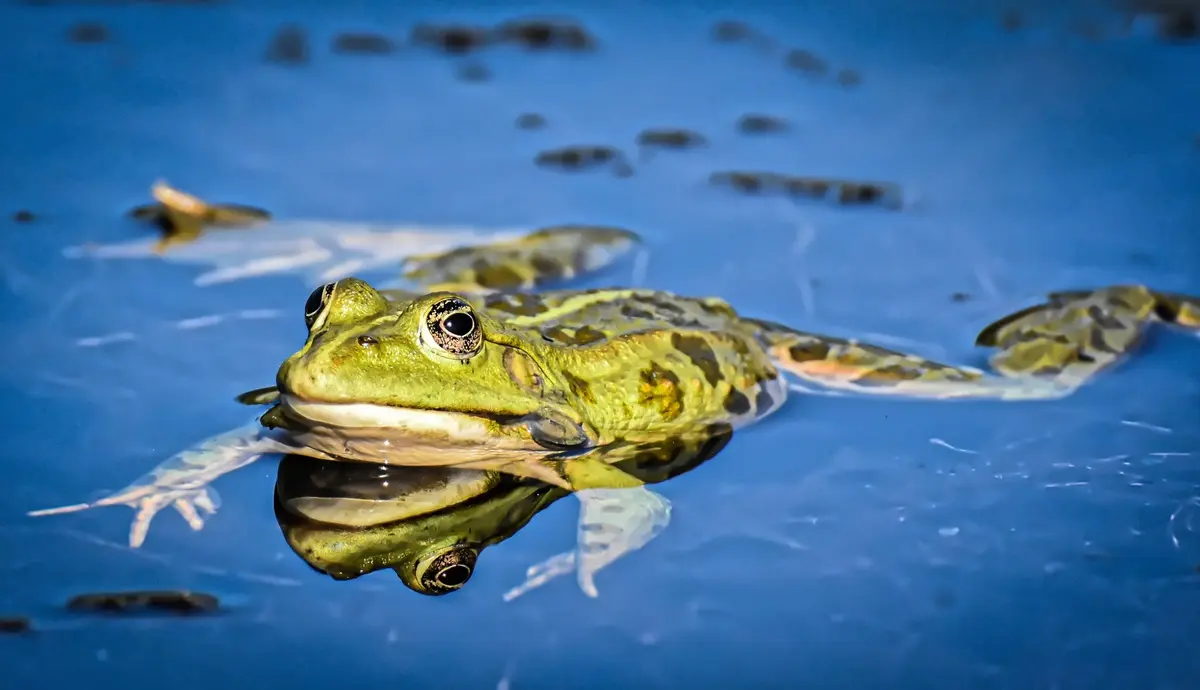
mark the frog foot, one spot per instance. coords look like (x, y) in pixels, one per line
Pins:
(612, 523)
(148, 501)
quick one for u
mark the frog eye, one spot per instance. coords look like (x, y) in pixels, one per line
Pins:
(316, 303)
(447, 571)
(453, 327)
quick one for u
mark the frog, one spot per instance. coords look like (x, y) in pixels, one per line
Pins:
(430, 525)
(476, 364)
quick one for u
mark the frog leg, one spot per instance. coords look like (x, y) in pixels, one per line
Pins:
(182, 481)
(850, 365)
(618, 514)
(556, 253)
(1073, 336)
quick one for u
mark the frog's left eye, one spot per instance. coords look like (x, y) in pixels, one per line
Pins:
(447, 571)
(316, 304)
(452, 326)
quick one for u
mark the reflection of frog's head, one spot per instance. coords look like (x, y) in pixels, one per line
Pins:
(428, 524)
(432, 367)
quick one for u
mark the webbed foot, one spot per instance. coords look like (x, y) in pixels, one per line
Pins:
(612, 523)
(183, 480)
(148, 501)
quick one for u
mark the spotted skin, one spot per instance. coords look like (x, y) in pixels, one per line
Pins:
(1076, 334)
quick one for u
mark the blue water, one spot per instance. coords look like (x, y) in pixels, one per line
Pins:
(844, 542)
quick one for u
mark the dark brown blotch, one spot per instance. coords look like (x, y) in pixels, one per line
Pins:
(580, 388)
(496, 276)
(516, 303)
(960, 297)
(631, 310)
(809, 350)
(736, 403)
(288, 46)
(547, 269)
(181, 601)
(701, 355)
(355, 43)
(763, 402)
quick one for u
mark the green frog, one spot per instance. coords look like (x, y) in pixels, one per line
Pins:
(431, 524)
(475, 365)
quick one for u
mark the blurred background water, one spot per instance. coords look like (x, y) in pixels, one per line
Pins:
(845, 541)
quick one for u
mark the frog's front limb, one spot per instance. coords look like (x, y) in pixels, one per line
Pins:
(849, 365)
(182, 481)
(612, 523)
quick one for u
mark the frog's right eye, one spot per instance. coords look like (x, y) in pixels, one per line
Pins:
(316, 303)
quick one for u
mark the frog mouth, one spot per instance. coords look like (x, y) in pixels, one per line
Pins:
(387, 420)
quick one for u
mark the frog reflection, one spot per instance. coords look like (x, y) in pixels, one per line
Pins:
(431, 524)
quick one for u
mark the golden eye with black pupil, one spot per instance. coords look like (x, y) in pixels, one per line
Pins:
(367, 340)
(317, 300)
(452, 326)
(448, 571)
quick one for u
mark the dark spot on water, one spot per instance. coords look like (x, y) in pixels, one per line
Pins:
(701, 355)
(960, 297)
(288, 46)
(944, 598)
(474, 73)
(808, 187)
(15, 625)
(583, 157)
(128, 602)
(746, 182)
(670, 138)
(24, 216)
(530, 121)
(363, 44)
(755, 123)
(543, 34)
(454, 38)
(88, 32)
(849, 77)
(1179, 24)
(736, 402)
(729, 31)
(807, 62)
(1012, 20)
(862, 193)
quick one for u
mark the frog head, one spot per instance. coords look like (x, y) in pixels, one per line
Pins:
(430, 371)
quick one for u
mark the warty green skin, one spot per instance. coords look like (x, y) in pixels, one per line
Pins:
(546, 372)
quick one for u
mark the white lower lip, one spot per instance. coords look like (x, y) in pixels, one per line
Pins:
(399, 419)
